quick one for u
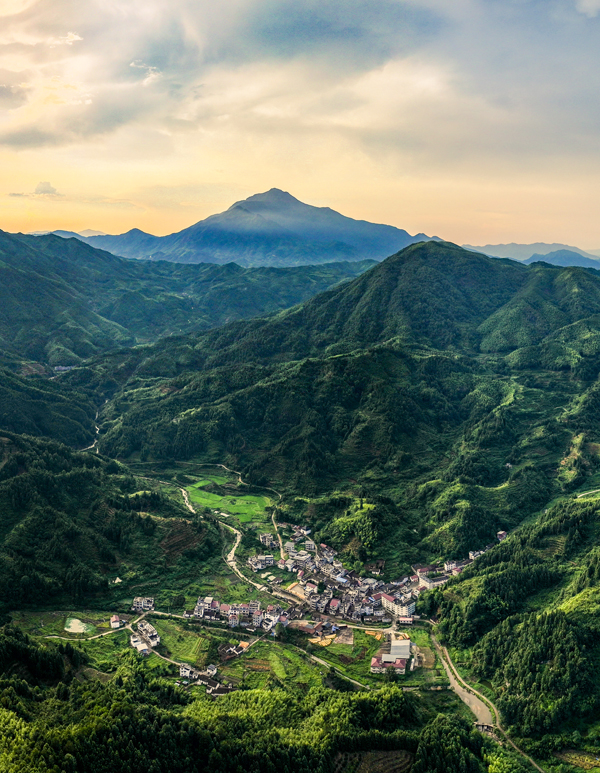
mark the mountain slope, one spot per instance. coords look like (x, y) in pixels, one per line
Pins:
(267, 229)
(62, 300)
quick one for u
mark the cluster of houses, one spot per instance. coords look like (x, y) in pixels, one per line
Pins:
(327, 587)
(213, 687)
(298, 559)
(245, 615)
(145, 639)
(428, 577)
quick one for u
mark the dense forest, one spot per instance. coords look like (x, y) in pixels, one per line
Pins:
(540, 663)
(67, 519)
(63, 301)
(53, 719)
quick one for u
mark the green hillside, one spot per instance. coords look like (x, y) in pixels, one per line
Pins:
(402, 380)
(39, 406)
(62, 301)
(70, 522)
(407, 415)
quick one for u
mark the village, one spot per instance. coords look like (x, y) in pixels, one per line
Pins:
(325, 586)
(329, 598)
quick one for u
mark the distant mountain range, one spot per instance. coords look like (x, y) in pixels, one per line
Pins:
(564, 258)
(539, 250)
(267, 229)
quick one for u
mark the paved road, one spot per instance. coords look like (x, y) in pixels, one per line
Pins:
(470, 693)
(478, 707)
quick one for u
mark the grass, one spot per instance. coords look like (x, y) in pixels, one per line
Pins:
(52, 623)
(247, 508)
(353, 661)
(180, 644)
(107, 652)
(270, 663)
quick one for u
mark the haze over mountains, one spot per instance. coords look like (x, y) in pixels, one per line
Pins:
(525, 251)
(267, 229)
(276, 229)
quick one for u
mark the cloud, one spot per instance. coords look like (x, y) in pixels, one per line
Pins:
(65, 40)
(45, 189)
(42, 189)
(485, 89)
(588, 7)
(152, 73)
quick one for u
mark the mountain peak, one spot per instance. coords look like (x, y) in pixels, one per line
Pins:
(272, 197)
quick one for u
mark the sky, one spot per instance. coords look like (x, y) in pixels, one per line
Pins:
(474, 120)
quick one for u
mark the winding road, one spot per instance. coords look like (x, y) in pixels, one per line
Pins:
(485, 711)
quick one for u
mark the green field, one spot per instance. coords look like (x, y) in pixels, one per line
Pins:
(270, 663)
(247, 508)
(46, 623)
(177, 643)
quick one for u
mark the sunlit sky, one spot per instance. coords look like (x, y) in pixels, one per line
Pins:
(476, 120)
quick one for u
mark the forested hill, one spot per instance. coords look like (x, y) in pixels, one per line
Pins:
(456, 384)
(62, 300)
(69, 520)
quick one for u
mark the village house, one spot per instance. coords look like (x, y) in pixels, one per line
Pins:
(142, 604)
(378, 666)
(187, 672)
(115, 621)
(269, 541)
(434, 581)
(334, 606)
(148, 633)
(501, 535)
(398, 607)
(139, 645)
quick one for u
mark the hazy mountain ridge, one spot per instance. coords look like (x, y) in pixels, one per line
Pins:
(564, 258)
(266, 229)
(522, 252)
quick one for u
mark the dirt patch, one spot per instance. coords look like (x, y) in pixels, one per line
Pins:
(345, 636)
(374, 762)
(347, 661)
(33, 369)
(254, 664)
(427, 657)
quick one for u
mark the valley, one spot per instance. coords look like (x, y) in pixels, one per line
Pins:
(409, 456)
